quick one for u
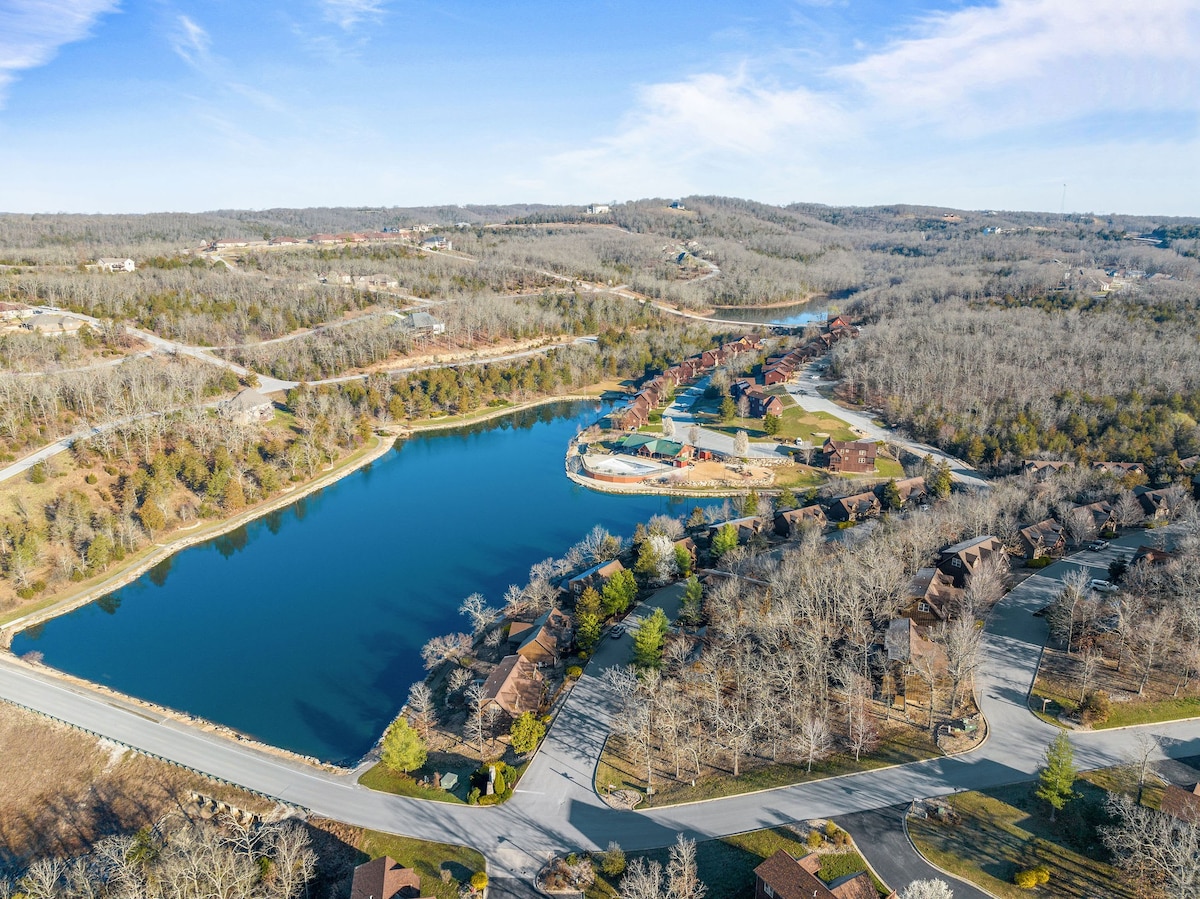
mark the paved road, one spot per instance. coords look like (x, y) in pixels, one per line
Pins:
(556, 806)
(803, 390)
(680, 412)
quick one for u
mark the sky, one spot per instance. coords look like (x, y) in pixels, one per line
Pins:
(169, 105)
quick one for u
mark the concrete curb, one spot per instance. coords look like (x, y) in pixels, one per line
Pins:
(938, 868)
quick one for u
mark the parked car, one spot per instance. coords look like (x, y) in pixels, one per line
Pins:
(617, 632)
(1097, 545)
(1101, 586)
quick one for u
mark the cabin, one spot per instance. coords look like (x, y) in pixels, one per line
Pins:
(1119, 468)
(932, 597)
(382, 878)
(1157, 504)
(963, 559)
(911, 490)
(790, 523)
(855, 508)
(763, 404)
(596, 576)
(1181, 803)
(1046, 538)
(784, 877)
(746, 527)
(541, 640)
(422, 323)
(514, 686)
(1104, 516)
(850, 456)
(108, 264)
(1044, 468)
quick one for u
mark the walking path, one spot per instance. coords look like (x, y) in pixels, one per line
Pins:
(556, 805)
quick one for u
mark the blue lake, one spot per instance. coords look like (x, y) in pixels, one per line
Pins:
(304, 628)
(800, 314)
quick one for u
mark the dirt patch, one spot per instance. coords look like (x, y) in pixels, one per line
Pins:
(64, 789)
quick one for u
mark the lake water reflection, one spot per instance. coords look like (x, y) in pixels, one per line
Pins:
(304, 628)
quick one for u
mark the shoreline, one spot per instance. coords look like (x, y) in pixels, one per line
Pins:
(782, 304)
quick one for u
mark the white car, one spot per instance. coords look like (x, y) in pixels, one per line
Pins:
(1101, 586)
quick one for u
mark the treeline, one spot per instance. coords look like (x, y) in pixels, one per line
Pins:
(999, 385)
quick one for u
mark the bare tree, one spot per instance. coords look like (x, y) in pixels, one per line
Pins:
(682, 880)
(741, 444)
(1154, 847)
(421, 707)
(481, 615)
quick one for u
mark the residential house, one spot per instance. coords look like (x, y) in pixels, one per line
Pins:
(599, 209)
(912, 491)
(1182, 803)
(13, 311)
(324, 238)
(853, 456)
(783, 877)
(649, 447)
(763, 404)
(1046, 538)
(1044, 468)
(1120, 468)
(422, 323)
(382, 878)
(963, 559)
(248, 406)
(595, 576)
(284, 241)
(225, 243)
(1103, 514)
(52, 324)
(1157, 504)
(932, 597)
(1151, 556)
(540, 640)
(515, 686)
(108, 264)
(855, 508)
(437, 242)
(746, 527)
(790, 522)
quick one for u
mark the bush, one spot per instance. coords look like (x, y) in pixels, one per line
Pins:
(499, 786)
(574, 672)
(1032, 878)
(479, 881)
(612, 860)
(1039, 562)
(473, 796)
(830, 829)
(815, 839)
(1096, 708)
(91, 478)
(37, 474)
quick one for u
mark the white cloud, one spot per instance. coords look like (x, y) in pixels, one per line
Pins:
(1001, 77)
(31, 31)
(191, 42)
(348, 13)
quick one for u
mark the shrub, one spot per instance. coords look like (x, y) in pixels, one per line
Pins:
(1096, 708)
(574, 672)
(91, 478)
(830, 829)
(1031, 878)
(815, 839)
(499, 786)
(473, 796)
(1039, 562)
(37, 474)
(612, 860)
(479, 881)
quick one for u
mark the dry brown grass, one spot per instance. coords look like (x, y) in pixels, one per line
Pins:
(63, 789)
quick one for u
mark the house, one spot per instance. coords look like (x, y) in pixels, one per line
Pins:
(422, 323)
(52, 325)
(1182, 803)
(783, 877)
(855, 508)
(284, 241)
(247, 406)
(1151, 556)
(763, 404)
(1044, 468)
(437, 242)
(911, 490)
(931, 597)
(595, 576)
(1103, 514)
(109, 264)
(746, 527)
(1046, 538)
(13, 311)
(838, 322)
(1120, 468)
(1157, 504)
(598, 209)
(649, 447)
(963, 559)
(382, 878)
(515, 686)
(539, 640)
(789, 523)
(854, 456)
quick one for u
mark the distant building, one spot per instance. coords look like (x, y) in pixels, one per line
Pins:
(52, 325)
(598, 209)
(437, 242)
(855, 456)
(422, 323)
(247, 406)
(107, 264)
(382, 878)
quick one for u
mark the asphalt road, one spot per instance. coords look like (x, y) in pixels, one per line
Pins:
(556, 806)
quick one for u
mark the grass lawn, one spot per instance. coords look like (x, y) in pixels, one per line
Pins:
(795, 424)
(380, 777)
(429, 860)
(799, 476)
(1152, 711)
(727, 866)
(902, 746)
(1006, 829)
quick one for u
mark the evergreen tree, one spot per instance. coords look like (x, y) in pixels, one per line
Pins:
(940, 481)
(618, 593)
(724, 540)
(403, 749)
(526, 732)
(771, 425)
(587, 620)
(648, 640)
(891, 495)
(1058, 775)
(728, 409)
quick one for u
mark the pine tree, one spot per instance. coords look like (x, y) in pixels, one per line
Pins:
(724, 540)
(403, 749)
(648, 640)
(1058, 775)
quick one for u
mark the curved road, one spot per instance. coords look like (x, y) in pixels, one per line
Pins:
(556, 807)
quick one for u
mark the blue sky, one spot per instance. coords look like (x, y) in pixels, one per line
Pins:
(141, 105)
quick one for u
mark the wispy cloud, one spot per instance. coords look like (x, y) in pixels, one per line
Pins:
(1013, 72)
(31, 32)
(348, 13)
(191, 42)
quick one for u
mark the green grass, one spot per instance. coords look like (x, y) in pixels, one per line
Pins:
(1151, 711)
(428, 859)
(727, 866)
(889, 468)
(380, 777)
(1006, 829)
(903, 746)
